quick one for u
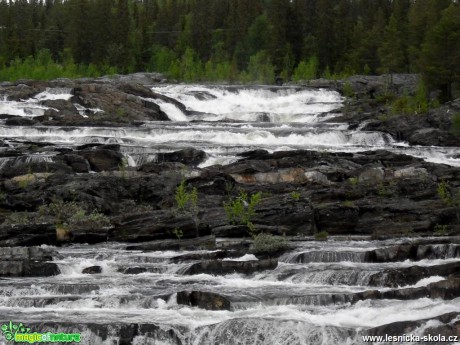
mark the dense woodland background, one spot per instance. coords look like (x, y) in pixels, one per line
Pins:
(235, 40)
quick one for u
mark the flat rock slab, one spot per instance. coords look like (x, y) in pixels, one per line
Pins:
(217, 267)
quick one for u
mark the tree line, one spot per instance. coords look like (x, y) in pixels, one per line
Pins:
(245, 40)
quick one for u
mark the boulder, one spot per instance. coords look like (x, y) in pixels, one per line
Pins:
(216, 267)
(200, 243)
(157, 225)
(92, 270)
(394, 277)
(188, 156)
(19, 121)
(27, 235)
(102, 159)
(27, 262)
(203, 300)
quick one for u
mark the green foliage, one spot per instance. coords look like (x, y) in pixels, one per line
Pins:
(439, 58)
(417, 104)
(295, 195)
(353, 181)
(306, 70)
(178, 233)
(186, 198)
(321, 236)
(348, 90)
(161, 59)
(384, 191)
(242, 209)
(44, 68)
(73, 214)
(246, 41)
(348, 203)
(267, 243)
(260, 69)
(20, 218)
(450, 198)
(123, 166)
(455, 128)
(440, 230)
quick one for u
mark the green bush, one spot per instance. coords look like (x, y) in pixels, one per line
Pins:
(295, 195)
(20, 218)
(455, 128)
(267, 243)
(186, 199)
(241, 209)
(321, 236)
(73, 214)
(306, 70)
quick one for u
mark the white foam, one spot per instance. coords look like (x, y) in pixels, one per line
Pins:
(245, 257)
(283, 105)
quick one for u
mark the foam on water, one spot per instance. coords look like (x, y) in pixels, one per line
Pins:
(280, 105)
(54, 94)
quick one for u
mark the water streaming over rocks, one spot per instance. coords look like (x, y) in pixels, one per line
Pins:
(296, 303)
(325, 293)
(222, 121)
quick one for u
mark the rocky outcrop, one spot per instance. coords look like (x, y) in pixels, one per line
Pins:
(203, 300)
(217, 267)
(27, 235)
(447, 325)
(27, 262)
(158, 225)
(394, 277)
(92, 270)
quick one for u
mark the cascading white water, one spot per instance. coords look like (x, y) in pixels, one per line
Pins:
(282, 105)
(269, 307)
(223, 121)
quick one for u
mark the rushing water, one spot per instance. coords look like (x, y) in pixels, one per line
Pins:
(289, 305)
(223, 121)
(305, 300)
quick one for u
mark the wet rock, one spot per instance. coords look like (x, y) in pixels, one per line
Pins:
(393, 253)
(103, 159)
(189, 156)
(228, 267)
(336, 219)
(27, 262)
(78, 163)
(203, 300)
(27, 235)
(200, 243)
(133, 270)
(92, 270)
(157, 168)
(407, 327)
(19, 121)
(14, 168)
(158, 225)
(395, 277)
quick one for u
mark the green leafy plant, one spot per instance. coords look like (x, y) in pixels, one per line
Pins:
(348, 90)
(348, 203)
(242, 209)
(440, 230)
(186, 198)
(321, 236)
(20, 218)
(70, 214)
(123, 166)
(267, 243)
(353, 181)
(178, 233)
(295, 195)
